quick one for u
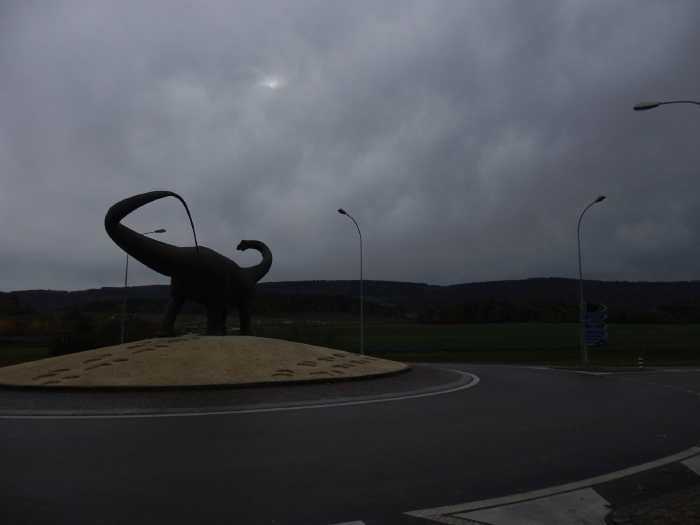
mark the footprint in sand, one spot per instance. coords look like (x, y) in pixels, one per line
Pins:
(97, 366)
(42, 376)
(147, 349)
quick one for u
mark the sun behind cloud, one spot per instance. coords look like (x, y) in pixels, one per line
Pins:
(272, 82)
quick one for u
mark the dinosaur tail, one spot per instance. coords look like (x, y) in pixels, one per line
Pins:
(158, 256)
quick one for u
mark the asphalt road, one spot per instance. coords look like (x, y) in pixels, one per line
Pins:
(519, 429)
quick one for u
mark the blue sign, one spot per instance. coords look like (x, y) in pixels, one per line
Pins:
(595, 331)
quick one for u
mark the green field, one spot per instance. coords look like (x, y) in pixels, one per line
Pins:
(11, 354)
(555, 343)
(671, 344)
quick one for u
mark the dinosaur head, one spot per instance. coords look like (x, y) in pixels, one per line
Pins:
(259, 270)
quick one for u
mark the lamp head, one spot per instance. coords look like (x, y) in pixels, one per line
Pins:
(600, 198)
(342, 211)
(643, 106)
(160, 230)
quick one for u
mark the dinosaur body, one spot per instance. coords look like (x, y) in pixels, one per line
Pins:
(197, 273)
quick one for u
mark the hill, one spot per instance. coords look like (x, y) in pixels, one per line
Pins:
(537, 299)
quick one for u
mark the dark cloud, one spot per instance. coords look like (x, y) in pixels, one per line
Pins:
(465, 137)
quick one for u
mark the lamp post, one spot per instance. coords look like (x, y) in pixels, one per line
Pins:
(643, 106)
(582, 304)
(362, 299)
(126, 277)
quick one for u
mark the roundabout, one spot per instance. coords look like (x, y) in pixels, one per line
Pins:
(426, 445)
(196, 361)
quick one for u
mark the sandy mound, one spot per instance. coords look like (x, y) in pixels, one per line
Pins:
(196, 360)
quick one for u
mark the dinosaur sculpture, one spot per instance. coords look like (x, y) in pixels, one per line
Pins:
(197, 273)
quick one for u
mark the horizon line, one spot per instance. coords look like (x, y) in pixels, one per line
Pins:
(416, 283)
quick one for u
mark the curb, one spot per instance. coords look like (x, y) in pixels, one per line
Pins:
(465, 513)
(466, 380)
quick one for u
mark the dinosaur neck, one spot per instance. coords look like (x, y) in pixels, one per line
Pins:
(263, 267)
(158, 256)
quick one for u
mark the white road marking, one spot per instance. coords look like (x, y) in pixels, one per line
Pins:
(622, 370)
(581, 507)
(570, 370)
(693, 464)
(582, 372)
(350, 523)
(439, 512)
(331, 404)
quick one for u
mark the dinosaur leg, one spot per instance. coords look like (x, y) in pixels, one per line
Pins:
(221, 327)
(168, 326)
(244, 316)
(216, 320)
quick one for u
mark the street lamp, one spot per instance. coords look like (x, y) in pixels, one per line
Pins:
(582, 304)
(362, 300)
(126, 277)
(643, 106)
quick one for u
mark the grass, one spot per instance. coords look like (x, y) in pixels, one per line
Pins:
(12, 354)
(556, 343)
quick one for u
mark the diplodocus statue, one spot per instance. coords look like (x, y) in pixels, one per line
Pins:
(197, 273)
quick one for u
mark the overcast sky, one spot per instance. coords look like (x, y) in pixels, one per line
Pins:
(464, 136)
